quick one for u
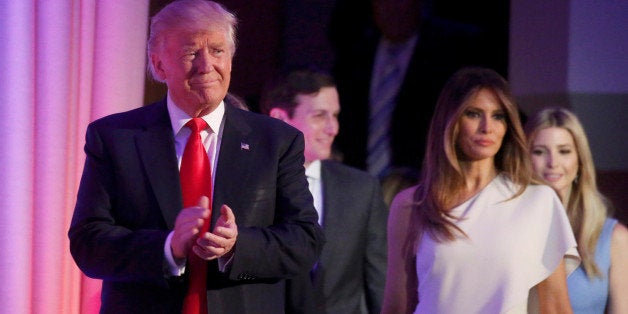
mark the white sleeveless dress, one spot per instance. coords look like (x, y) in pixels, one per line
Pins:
(512, 245)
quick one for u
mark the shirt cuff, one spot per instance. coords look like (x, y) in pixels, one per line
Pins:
(174, 268)
(224, 262)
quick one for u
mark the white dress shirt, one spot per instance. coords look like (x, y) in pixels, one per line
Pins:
(315, 183)
(211, 141)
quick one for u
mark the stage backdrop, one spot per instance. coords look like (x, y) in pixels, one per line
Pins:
(63, 63)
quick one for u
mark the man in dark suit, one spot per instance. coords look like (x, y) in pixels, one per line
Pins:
(427, 50)
(130, 227)
(350, 275)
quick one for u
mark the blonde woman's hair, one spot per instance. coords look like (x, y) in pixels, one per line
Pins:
(586, 207)
(442, 176)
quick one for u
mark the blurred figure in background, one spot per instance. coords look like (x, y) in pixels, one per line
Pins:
(396, 179)
(561, 156)
(350, 275)
(391, 63)
(236, 101)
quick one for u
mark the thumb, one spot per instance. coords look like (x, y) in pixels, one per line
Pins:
(203, 202)
(227, 214)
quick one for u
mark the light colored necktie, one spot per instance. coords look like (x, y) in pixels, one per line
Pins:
(196, 181)
(382, 106)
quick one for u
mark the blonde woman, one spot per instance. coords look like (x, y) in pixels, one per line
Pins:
(562, 157)
(476, 235)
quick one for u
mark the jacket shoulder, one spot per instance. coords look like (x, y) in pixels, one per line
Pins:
(134, 117)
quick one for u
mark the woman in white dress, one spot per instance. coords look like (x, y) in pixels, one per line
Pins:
(478, 234)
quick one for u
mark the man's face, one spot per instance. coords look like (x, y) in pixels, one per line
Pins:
(196, 67)
(317, 117)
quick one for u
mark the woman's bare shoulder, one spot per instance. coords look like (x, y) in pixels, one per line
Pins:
(620, 236)
(404, 199)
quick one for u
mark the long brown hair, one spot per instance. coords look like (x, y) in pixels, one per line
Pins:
(442, 175)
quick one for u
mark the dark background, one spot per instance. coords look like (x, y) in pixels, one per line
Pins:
(278, 34)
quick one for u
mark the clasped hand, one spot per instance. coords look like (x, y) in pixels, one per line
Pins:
(210, 245)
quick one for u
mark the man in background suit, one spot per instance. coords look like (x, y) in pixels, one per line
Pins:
(350, 275)
(427, 51)
(129, 226)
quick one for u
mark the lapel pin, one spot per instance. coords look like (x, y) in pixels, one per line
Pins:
(244, 146)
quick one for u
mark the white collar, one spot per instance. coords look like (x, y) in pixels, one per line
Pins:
(178, 118)
(314, 170)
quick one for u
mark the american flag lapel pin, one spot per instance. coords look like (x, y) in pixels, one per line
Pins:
(244, 146)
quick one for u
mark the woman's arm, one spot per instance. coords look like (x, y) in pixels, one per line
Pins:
(553, 295)
(618, 277)
(400, 294)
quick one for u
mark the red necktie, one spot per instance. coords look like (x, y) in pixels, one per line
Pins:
(196, 181)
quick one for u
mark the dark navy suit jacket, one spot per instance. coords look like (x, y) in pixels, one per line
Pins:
(130, 195)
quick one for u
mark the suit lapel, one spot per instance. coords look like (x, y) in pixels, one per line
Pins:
(332, 215)
(234, 158)
(155, 145)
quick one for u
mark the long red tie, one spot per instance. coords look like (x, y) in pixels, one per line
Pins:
(196, 181)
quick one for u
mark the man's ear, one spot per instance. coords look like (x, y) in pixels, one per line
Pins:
(278, 113)
(157, 66)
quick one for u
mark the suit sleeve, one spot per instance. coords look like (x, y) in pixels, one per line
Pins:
(375, 263)
(114, 235)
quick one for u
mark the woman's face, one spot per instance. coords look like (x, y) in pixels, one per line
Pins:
(482, 127)
(555, 158)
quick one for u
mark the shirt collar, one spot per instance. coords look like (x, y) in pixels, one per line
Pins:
(314, 170)
(178, 118)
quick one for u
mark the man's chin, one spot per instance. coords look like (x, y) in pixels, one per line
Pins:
(213, 96)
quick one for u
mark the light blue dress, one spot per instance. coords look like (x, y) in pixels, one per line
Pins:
(590, 296)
